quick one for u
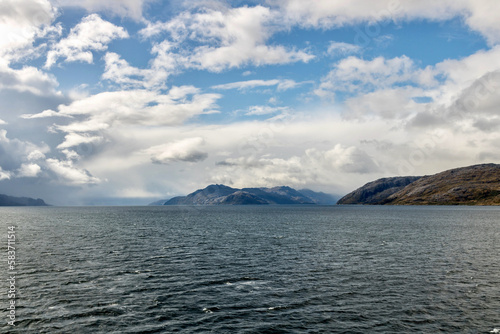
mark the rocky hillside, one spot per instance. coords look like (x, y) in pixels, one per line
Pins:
(378, 191)
(20, 201)
(218, 194)
(473, 185)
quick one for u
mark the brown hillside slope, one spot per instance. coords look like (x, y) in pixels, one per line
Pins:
(473, 185)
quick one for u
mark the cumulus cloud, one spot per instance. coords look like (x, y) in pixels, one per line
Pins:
(97, 118)
(15, 152)
(21, 22)
(74, 139)
(165, 63)
(4, 175)
(466, 96)
(119, 71)
(455, 89)
(480, 16)
(24, 159)
(91, 34)
(70, 174)
(229, 38)
(29, 170)
(28, 79)
(186, 150)
(483, 17)
(143, 107)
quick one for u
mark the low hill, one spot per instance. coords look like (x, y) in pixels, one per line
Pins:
(473, 185)
(378, 191)
(218, 194)
(20, 201)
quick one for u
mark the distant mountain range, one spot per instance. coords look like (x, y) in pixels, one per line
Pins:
(20, 201)
(218, 194)
(473, 185)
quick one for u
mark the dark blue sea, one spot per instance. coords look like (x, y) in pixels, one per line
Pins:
(253, 269)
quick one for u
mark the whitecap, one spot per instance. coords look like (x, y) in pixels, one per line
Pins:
(210, 309)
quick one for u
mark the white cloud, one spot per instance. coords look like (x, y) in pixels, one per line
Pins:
(230, 38)
(70, 174)
(21, 22)
(281, 84)
(45, 113)
(29, 170)
(140, 107)
(467, 94)
(354, 74)
(75, 139)
(2, 122)
(161, 67)
(36, 154)
(4, 175)
(344, 159)
(28, 79)
(327, 14)
(20, 158)
(387, 88)
(18, 151)
(482, 16)
(91, 34)
(264, 110)
(3, 136)
(387, 103)
(313, 166)
(461, 73)
(98, 117)
(342, 48)
(186, 150)
(119, 71)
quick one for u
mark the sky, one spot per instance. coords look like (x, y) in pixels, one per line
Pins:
(129, 101)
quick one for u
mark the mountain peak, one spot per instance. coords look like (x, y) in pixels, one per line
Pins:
(217, 194)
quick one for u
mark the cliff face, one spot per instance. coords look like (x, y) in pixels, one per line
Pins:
(20, 201)
(220, 194)
(473, 185)
(376, 192)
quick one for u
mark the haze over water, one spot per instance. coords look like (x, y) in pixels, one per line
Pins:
(255, 269)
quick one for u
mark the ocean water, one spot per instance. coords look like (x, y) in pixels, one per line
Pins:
(253, 269)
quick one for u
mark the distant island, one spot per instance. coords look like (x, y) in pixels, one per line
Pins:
(218, 194)
(473, 185)
(20, 201)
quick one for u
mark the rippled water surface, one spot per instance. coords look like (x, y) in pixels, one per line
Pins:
(243, 269)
